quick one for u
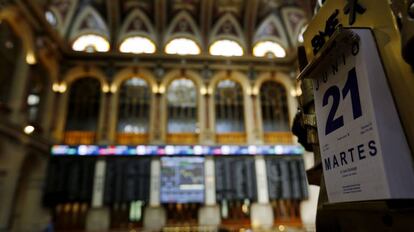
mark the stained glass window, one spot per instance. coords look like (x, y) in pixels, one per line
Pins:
(134, 106)
(84, 105)
(182, 106)
(229, 107)
(274, 107)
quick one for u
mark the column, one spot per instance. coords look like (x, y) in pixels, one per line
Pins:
(60, 120)
(261, 212)
(209, 214)
(102, 129)
(157, 135)
(257, 131)
(47, 109)
(207, 135)
(249, 118)
(112, 122)
(11, 159)
(98, 218)
(18, 90)
(29, 213)
(154, 215)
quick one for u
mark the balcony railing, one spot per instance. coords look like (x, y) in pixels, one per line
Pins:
(231, 138)
(182, 138)
(79, 137)
(278, 137)
(132, 139)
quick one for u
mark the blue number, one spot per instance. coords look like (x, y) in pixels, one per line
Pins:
(332, 124)
(351, 86)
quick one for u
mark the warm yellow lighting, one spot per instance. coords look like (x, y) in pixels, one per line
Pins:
(105, 88)
(226, 48)
(155, 89)
(29, 129)
(30, 58)
(282, 228)
(137, 45)
(264, 48)
(91, 43)
(182, 46)
(55, 87)
(113, 88)
(62, 88)
(161, 89)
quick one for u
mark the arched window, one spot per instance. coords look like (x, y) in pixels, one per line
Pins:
(269, 49)
(137, 45)
(10, 50)
(229, 107)
(134, 106)
(83, 111)
(274, 105)
(38, 82)
(182, 106)
(182, 46)
(91, 43)
(226, 48)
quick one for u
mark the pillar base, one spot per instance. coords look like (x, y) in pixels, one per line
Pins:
(261, 216)
(98, 219)
(155, 218)
(209, 216)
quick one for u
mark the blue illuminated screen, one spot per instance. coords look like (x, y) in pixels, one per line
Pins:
(182, 179)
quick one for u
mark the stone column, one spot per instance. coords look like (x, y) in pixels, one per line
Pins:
(47, 109)
(248, 117)
(11, 159)
(61, 112)
(154, 215)
(29, 214)
(257, 119)
(157, 135)
(207, 136)
(98, 218)
(18, 93)
(209, 214)
(261, 212)
(112, 117)
(102, 128)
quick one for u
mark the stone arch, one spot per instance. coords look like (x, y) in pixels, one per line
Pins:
(238, 36)
(199, 85)
(175, 74)
(278, 35)
(147, 32)
(11, 15)
(232, 75)
(82, 72)
(100, 28)
(128, 73)
(246, 87)
(195, 35)
(64, 14)
(286, 82)
(295, 19)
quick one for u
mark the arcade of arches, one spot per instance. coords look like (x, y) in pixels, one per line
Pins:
(90, 79)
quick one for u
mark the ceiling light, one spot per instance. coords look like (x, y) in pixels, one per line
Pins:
(28, 129)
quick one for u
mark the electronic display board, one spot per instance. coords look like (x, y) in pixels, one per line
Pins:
(182, 180)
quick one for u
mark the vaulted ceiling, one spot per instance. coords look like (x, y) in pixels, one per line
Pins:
(203, 21)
